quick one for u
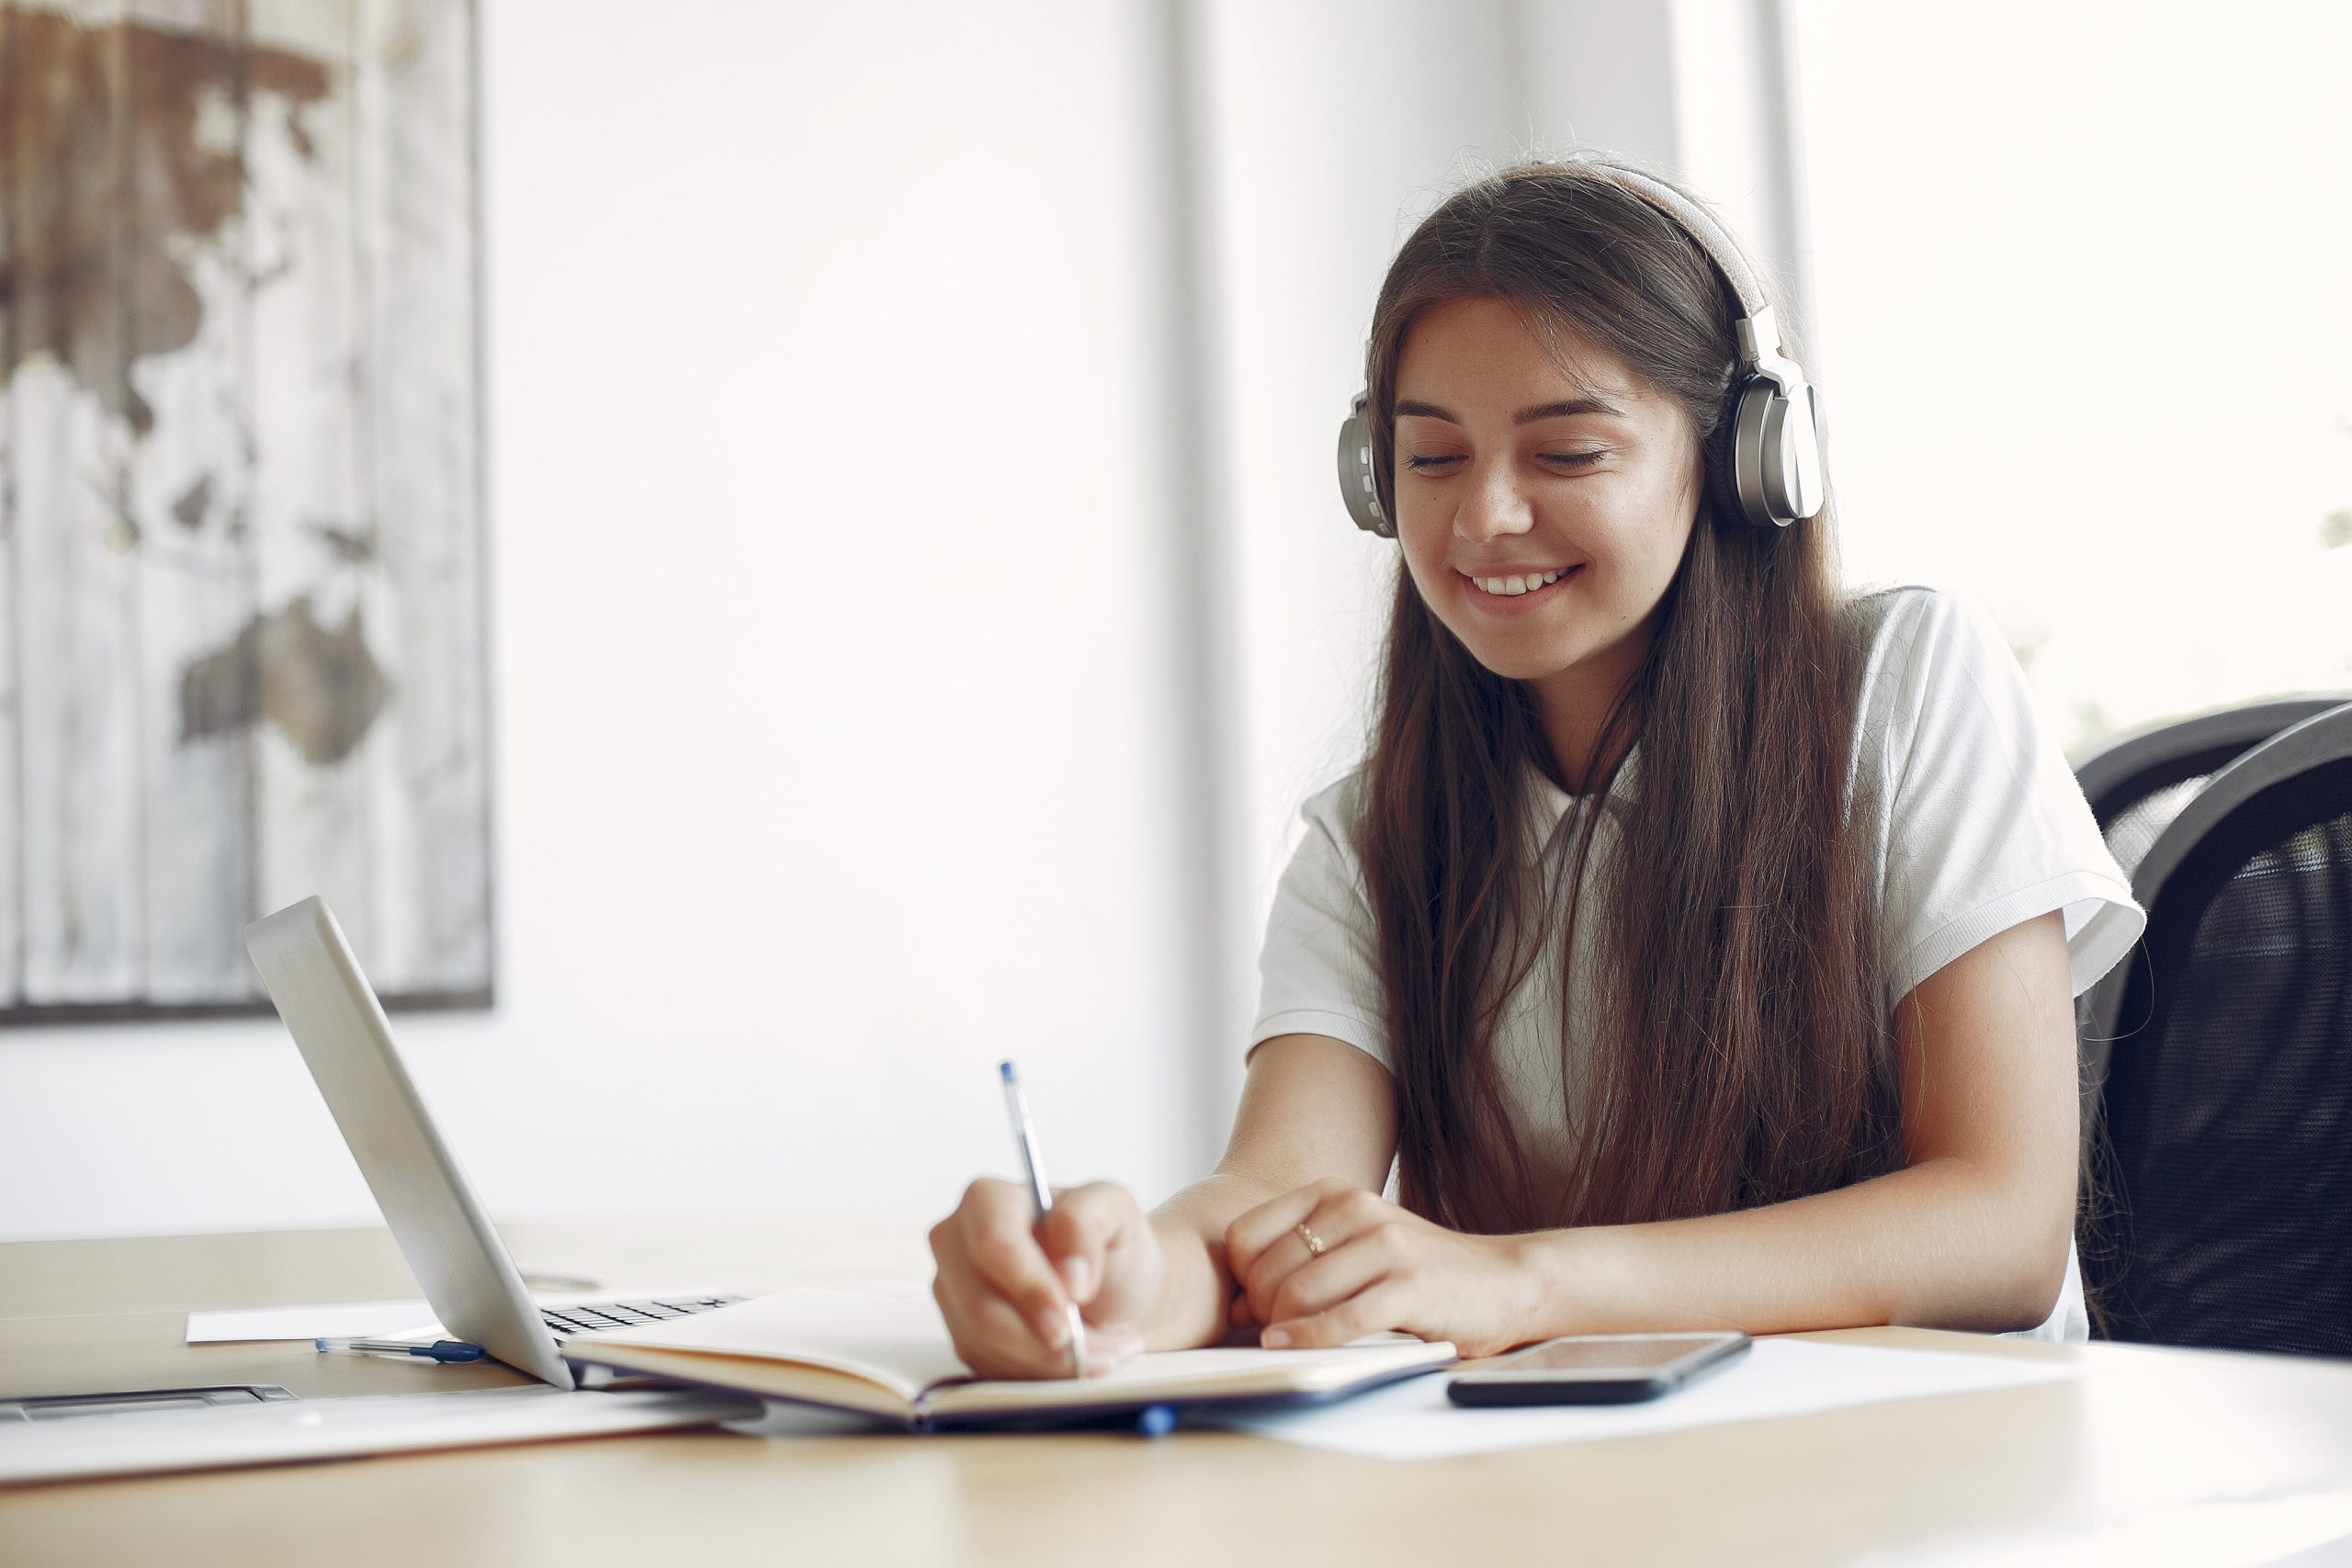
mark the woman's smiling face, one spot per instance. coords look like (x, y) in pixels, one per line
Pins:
(1513, 464)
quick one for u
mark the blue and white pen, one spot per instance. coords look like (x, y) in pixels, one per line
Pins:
(1025, 1132)
(439, 1350)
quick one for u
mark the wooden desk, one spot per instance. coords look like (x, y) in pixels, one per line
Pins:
(2143, 1433)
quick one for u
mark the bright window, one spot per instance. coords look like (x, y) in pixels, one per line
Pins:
(2083, 328)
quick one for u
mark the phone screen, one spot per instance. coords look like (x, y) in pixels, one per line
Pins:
(1603, 1355)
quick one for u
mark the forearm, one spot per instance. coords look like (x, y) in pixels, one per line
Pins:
(1197, 1287)
(1312, 1107)
(1936, 1245)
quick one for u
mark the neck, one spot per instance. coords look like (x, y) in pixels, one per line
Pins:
(1576, 703)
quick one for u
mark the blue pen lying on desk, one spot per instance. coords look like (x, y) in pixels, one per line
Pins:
(439, 1350)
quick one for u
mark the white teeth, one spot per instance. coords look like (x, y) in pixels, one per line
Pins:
(1511, 587)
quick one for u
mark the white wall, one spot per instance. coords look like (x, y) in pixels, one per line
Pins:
(830, 676)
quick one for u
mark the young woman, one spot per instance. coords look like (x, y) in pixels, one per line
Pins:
(1696, 943)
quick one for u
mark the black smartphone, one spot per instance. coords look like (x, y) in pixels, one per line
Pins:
(1596, 1369)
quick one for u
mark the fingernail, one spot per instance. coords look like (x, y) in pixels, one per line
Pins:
(1052, 1328)
(1075, 1274)
(1274, 1339)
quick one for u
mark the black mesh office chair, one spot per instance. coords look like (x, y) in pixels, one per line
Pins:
(2227, 1106)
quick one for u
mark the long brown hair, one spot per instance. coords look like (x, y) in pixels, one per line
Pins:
(1739, 1051)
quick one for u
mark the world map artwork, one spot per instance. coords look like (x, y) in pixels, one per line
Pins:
(242, 629)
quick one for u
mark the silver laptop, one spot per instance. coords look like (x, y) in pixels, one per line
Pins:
(308, 969)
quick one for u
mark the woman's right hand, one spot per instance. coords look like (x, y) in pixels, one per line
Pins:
(1005, 1282)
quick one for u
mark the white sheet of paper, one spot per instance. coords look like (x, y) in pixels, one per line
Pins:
(1776, 1377)
(329, 1320)
(405, 1319)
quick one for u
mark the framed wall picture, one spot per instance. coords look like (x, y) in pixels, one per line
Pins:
(243, 642)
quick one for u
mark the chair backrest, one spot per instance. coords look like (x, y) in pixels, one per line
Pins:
(2135, 788)
(2226, 1106)
(2138, 786)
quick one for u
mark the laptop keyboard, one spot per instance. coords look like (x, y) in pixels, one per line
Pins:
(581, 1318)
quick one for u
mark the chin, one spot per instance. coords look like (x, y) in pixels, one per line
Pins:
(1522, 662)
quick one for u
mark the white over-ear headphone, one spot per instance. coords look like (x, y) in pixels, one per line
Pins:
(1774, 461)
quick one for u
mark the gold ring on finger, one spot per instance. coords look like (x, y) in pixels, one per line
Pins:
(1315, 1247)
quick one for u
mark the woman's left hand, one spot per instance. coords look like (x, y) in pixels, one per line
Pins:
(1380, 1267)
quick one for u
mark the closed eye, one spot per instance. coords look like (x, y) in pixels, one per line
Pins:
(1558, 459)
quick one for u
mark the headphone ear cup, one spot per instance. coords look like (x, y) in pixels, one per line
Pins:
(1359, 482)
(1756, 440)
(1721, 461)
(1805, 483)
(1776, 453)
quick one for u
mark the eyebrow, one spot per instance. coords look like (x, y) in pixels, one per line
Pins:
(1564, 408)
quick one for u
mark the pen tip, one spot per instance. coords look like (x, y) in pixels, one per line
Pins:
(1004, 1071)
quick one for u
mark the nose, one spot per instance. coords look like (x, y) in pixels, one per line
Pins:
(1493, 506)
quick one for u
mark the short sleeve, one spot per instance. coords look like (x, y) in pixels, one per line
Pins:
(1985, 825)
(1318, 971)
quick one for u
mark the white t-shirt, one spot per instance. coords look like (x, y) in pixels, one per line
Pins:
(1981, 826)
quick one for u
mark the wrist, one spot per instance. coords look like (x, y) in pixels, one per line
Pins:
(1564, 1274)
(1191, 1294)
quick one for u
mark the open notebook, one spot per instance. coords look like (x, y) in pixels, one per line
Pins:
(886, 1353)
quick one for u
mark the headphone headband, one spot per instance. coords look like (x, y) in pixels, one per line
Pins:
(1759, 328)
(1716, 240)
(1774, 460)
